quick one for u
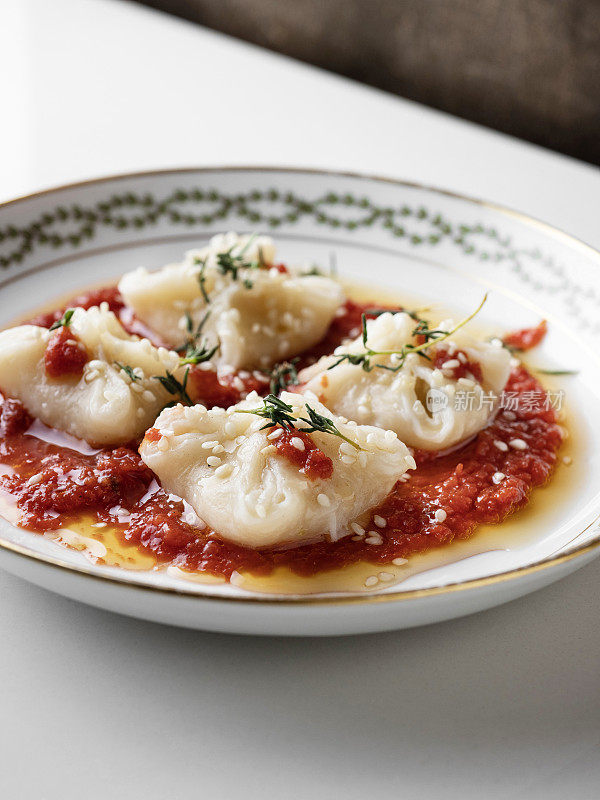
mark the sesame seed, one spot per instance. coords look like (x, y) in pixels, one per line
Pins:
(498, 477)
(386, 576)
(218, 448)
(37, 478)
(275, 434)
(451, 364)
(440, 515)
(224, 471)
(323, 500)
(148, 396)
(268, 449)
(399, 561)
(209, 445)
(518, 444)
(374, 538)
(213, 461)
(501, 445)
(163, 444)
(296, 442)
(372, 580)
(348, 459)
(358, 529)
(462, 358)
(510, 415)
(379, 521)
(567, 460)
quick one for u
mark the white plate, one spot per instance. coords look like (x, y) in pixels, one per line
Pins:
(419, 241)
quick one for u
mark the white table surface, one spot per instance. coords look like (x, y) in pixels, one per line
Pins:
(504, 704)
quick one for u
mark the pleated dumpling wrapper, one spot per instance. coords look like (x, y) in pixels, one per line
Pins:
(103, 404)
(432, 403)
(257, 314)
(237, 481)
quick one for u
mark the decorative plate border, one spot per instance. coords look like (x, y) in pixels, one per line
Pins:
(70, 226)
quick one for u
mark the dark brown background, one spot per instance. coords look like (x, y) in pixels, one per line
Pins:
(526, 67)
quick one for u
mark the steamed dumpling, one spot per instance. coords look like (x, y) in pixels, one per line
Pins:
(102, 404)
(258, 318)
(230, 472)
(428, 407)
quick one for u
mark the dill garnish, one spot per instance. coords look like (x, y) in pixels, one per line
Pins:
(431, 336)
(64, 321)
(280, 413)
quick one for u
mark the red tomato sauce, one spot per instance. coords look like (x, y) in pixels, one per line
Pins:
(65, 355)
(309, 459)
(207, 387)
(463, 368)
(527, 338)
(66, 483)
(444, 499)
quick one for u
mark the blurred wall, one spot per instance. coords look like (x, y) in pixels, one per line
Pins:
(526, 67)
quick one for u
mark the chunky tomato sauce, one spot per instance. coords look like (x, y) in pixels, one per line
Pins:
(300, 449)
(527, 338)
(457, 365)
(65, 355)
(444, 499)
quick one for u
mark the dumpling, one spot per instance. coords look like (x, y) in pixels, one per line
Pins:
(102, 402)
(258, 315)
(431, 404)
(239, 483)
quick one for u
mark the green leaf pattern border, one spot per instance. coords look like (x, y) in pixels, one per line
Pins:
(70, 226)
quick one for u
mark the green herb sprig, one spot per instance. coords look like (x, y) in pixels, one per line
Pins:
(281, 414)
(64, 321)
(192, 352)
(201, 262)
(174, 387)
(128, 371)
(230, 263)
(557, 371)
(432, 336)
(283, 375)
